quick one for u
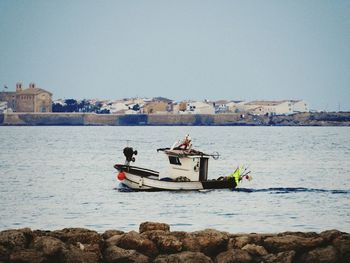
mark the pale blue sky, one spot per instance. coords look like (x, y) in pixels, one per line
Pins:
(240, 50)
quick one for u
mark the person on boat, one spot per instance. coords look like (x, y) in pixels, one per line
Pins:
(186, 143)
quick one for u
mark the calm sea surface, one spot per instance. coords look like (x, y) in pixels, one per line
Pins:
(56, 177)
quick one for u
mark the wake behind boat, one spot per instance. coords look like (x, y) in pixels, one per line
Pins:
(188, 170)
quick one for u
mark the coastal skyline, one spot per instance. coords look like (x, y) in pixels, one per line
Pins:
(183, 50)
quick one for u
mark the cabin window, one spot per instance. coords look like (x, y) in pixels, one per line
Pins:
(174, 160)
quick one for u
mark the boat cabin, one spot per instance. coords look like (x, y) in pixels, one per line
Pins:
(186, 165)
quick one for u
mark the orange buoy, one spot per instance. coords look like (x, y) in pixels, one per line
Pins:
(121, 176)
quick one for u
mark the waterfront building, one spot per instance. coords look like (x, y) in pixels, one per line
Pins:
(179, 107)
(157, 107)
(32, 99)
(199, 107)
(221, 106)
(262, 107)
(133, 101)
(236, 106)
(299, 106)
(118, 107)
(283, 107)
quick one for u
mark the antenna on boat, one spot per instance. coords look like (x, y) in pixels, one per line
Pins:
(215, 155)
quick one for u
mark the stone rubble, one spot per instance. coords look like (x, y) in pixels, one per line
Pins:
(156, 243)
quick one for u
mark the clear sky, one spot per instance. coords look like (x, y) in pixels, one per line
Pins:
(184, 49)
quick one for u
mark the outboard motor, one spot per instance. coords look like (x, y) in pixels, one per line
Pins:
(129, 153)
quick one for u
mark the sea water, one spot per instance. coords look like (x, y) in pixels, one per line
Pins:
(56, 177)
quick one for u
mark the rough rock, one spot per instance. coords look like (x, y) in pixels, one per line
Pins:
(241, 241)
(165, 241)
(4, 253)
(109, 233)
(16, 239)
(40, 233)
(27, 256)
(93, 248)
(115, 254)
(160, 245)
(180, 234)
(299, 234)
(319, 255)
(74, 235)
(285, 257)
(211, 242)
(134, 240)
(330, 235)
(49, 246)
(342, 244)
(150, 226)
(255, 250)
(113, 241)
(74, 254)
(291, 242)
(234, 256)
(183, 257)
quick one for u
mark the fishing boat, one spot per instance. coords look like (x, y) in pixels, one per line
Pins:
(187, 171)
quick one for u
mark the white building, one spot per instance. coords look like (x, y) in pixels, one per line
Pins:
(283, 107)
(117, 107)
(198, 107)
(299, 106)
(221, 106)
(269, 107)
(236, 106)
(3, 106)
(139, 101)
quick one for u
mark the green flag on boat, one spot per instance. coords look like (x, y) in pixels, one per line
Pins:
(236, 175)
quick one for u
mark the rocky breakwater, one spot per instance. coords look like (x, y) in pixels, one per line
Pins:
(156, 243)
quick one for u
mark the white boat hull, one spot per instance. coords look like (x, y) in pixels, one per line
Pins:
(137, 182)
(141, 179)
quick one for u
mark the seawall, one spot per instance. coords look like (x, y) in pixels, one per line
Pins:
(154, 242)
(233, 119)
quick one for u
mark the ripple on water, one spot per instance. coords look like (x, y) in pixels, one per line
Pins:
(300, 180)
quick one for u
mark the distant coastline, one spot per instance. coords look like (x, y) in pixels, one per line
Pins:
(231, 119)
